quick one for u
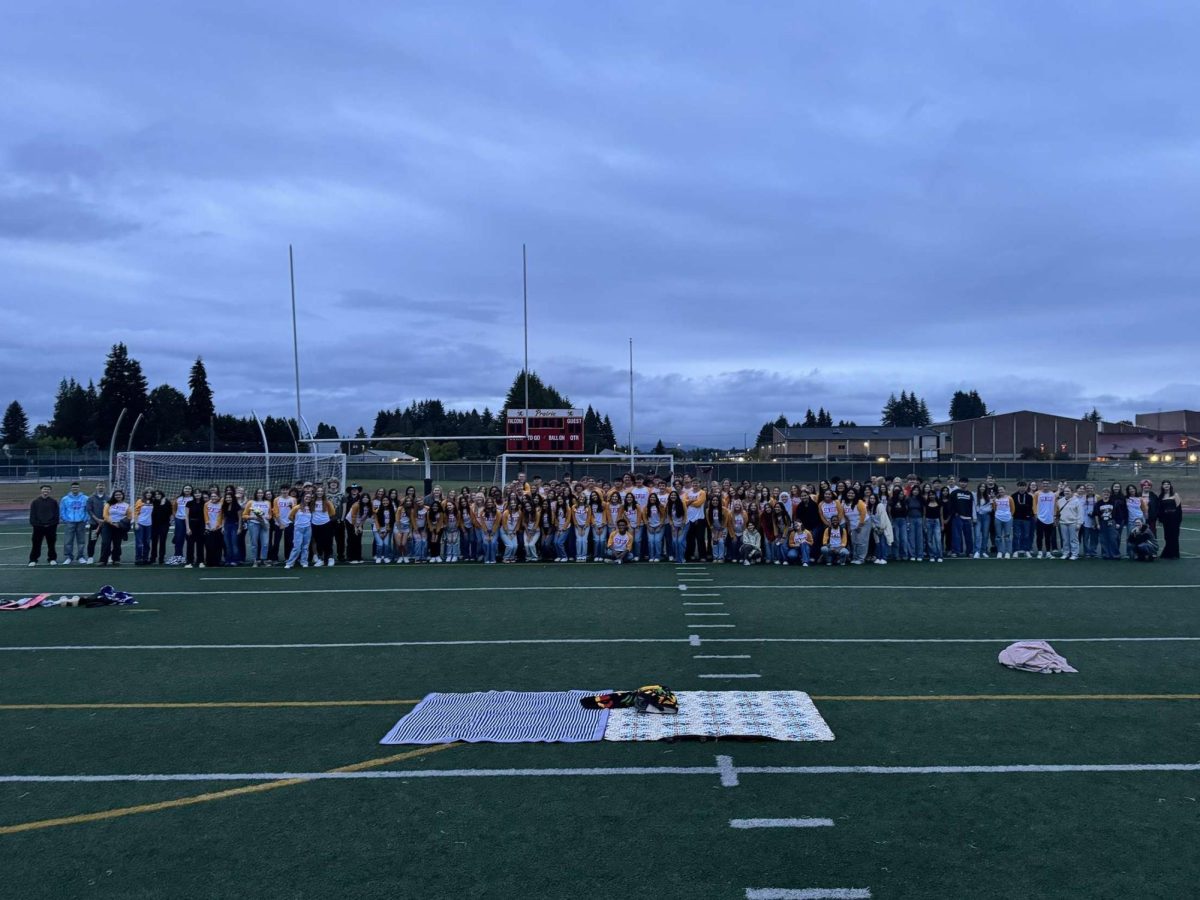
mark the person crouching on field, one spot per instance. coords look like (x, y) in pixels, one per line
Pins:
(751, 544)
(799, 545)
(620, 543)
(1144, 548)
(833, 549)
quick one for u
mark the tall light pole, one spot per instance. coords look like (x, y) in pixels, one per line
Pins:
(525, 305)
(295, 339)
(631, 466)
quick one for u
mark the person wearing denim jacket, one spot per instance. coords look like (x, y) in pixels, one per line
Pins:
(72, 513)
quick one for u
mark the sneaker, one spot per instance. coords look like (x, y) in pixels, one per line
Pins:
(201, 566)
(745, 562)
(188, 566)
(83, 560)
(317, 564)
(938, 560)
(1041, 555)
(67, 561)
(288, 565)
(975, 556)
(31, 565)
(804, 565)
(330, 564)
(881, 562)
(856, 562)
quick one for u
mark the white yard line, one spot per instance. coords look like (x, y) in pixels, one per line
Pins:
(712, 626)
(808, 894)
(717, 656)
(705, 614)
(712, 603)
(781, 823)
(725, 768)
(729, 676)
(248, 578)
(694, 640)
(698, 594)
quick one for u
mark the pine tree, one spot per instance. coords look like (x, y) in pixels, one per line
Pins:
(967, 405)
(200, 399)
(810, 420)
(166, 417)
(1093, 416)
(824, 419)
(15, 428)
(541, 395)
(922, 418)
(888, 415)
(123, 386)
(326, 431)
(73, 412)
(659, 448)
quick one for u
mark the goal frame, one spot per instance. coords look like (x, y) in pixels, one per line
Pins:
(274, 465)
(630, 460)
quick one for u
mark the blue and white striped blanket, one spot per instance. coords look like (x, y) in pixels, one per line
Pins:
(500, 717)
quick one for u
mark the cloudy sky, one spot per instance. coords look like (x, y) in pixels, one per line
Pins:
(785, 205)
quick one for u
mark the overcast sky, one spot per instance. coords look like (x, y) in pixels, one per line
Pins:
(785, 205)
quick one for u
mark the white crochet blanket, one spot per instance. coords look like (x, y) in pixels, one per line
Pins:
(779, 715)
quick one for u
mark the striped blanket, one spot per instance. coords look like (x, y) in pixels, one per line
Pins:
(500, 717)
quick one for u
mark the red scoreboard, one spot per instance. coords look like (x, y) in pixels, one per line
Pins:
(550, 430)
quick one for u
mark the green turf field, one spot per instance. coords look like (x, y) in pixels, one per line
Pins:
(280, 675)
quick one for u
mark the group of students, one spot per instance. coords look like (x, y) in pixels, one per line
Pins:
(646, 518)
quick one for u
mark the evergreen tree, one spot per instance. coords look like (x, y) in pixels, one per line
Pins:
(888, 415)
(361, 433)
(541, 395)
(200, 399)
(326, 431)
(73, 413)
(967, 405)
(15, 428)
(166, 421)
(847, 423)
(659, 448)
(824, 419)
(810, 420)
(123, 386)
(922, 418)
(1093, 416)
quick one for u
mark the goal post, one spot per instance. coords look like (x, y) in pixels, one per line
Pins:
(643, 463)
(140, 470)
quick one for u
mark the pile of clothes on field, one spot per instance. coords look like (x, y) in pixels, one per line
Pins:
(106, 596)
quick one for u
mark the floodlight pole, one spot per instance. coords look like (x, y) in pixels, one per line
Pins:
(525, 303)
(631, 466)
(266, 449)
(295, 338)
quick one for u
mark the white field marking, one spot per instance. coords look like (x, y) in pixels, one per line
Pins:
(1184, 527)
(711, 626)
(716, 656)
(952, 587)
(705, 614)
(808, 894)
(689, 580)
(729, 676)
(696, 594)
(781, 823)
(727, 772)
(692, 639)
(389, 590)
(15, 547)
(249, 578)
(683, 587)
(702, 604)
(725, 768)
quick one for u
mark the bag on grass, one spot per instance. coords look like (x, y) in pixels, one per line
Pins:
(1034, 656)
(645, 698)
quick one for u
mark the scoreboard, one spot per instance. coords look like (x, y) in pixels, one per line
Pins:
(550, 430)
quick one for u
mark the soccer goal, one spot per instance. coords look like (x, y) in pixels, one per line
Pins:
(606, 466)
(168, 472)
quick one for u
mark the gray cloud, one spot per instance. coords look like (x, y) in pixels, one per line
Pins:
(785, 209)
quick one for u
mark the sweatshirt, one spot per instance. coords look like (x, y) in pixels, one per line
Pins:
(73, 508)
(43, 512)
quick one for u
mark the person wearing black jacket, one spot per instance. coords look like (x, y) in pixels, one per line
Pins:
(43, 518)
(195, 530)
(161, 516)
(1170, 513)
(1022, 521)
(962, 526)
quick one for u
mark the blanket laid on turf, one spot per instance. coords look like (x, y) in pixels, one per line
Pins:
(780, 715)
(1034, 656)
(500, 717)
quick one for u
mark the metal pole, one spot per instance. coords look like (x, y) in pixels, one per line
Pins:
(295, 445)
(266, 450)
(112, 448)
(525, 303)
(631, 461)
(295, 338)
(428, 471)
(133, 431)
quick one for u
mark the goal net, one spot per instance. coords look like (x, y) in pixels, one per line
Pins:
(601, 466)
(168, 472)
